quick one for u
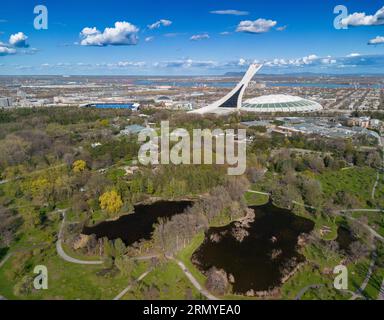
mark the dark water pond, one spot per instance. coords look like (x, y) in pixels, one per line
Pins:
(256, 263)
(138, 225)
(344, 238)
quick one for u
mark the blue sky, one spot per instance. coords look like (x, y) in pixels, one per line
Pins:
(193, 37)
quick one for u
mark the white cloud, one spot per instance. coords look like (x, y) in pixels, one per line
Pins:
(149, 39)
(124, 33)
(307, 60)
(242, 62)
(377, 40)
(158, 24)
(353, 54)
(225, 33)
(282, 28)
(18, 40)
(5, 51)
(231, 12)
(125, 64)
(186, 63)
(197, 37)
(258, 26)
(362, 19)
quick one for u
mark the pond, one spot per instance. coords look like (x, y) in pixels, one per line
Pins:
(261, 259)
(138, 225)
(344, 238)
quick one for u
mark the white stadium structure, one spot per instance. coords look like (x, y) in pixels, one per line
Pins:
(280, 103)
(233, 101)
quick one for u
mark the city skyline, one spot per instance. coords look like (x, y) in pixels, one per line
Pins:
(193, 38)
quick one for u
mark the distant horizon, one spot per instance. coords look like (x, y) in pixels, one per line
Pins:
(227, 74)
(190, 38)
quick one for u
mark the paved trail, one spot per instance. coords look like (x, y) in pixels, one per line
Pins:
(305, 289)
(5, 259)
(359, 291)
(60, 250)
(381, 293)
(124, 292)
(259, 192)
(193, 280)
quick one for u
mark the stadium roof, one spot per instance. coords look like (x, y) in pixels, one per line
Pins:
(280, 103)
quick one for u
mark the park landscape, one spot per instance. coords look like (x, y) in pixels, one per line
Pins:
(54, 184)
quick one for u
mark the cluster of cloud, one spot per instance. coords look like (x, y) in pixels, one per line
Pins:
(258, 26)
(376, 41)
(353, 62)
(197, 37)
(231, 12)
(362, 19)
(123, 33)
(158, 24)
(16, 41)
(304, 61)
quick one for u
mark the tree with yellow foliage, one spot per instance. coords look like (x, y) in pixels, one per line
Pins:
(111, 202)
(79, 165)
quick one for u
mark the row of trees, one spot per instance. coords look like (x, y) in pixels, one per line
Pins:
(223, 204)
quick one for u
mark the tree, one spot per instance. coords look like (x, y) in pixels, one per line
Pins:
(111, 202)
(125, 265)
(79, 166)
(217, 281)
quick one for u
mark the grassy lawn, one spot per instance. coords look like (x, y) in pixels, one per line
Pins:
(255, 199)
(358, 181)
(166, 282)
(357, 272)
(375, 220)
(186, 254)
(304, 277)
(66, 280)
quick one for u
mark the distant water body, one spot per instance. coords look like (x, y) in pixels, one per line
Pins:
(231, 84)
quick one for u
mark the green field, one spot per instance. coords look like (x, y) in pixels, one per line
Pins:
(165, 282)
(358, 181)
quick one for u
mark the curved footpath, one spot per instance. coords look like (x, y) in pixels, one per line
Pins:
(193, 280)
(305, 289)
(60, 250)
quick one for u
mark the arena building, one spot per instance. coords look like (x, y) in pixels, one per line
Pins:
(280, 103)
(233, 101)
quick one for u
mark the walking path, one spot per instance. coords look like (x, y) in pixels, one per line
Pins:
(193, 280)
(259, 192)
(359, 291)
(5, 259)
(375, 185)
(305, 289)
(60, 250)
(373, 232)
(124, 292)
(381, 293)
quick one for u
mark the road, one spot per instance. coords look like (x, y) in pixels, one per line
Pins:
(60, 250)
(193, 280)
